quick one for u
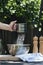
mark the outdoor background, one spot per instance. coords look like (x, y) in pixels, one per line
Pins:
(24, 11)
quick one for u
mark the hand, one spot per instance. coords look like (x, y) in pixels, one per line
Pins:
(13, 26)
(13, 49)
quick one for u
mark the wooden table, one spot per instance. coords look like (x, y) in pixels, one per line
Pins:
(9, 57)
(12, 60)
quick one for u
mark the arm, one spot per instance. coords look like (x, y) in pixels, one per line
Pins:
(4, 26)
(8, 27)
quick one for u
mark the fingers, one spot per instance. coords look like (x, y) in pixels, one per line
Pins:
(13, 25)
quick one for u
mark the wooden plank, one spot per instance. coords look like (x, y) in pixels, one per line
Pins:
(9, 57)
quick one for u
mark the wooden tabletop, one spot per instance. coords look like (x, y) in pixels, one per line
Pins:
(9, 57)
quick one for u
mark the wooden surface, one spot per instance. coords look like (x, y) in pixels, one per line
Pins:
(9, 57)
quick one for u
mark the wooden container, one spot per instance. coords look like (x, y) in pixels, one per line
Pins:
(35, 44)
(41, 44)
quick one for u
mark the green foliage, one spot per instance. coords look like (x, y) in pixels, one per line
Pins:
(29, 9)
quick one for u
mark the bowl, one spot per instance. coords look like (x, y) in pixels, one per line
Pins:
(17, 49)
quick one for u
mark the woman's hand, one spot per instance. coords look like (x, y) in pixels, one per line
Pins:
(13, 26)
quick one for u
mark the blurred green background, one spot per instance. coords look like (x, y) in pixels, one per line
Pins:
(22, 10)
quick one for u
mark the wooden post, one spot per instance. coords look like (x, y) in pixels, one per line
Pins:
(35, 44)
